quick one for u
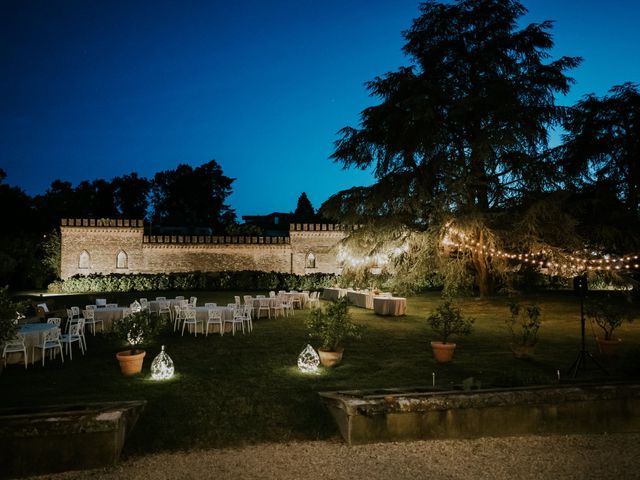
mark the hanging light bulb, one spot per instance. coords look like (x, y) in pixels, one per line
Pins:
(162, 366)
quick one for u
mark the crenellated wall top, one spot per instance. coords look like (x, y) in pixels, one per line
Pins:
(220, 240)
(321, 227)
(101, 222)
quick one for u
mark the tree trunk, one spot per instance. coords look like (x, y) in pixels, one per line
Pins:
(484, 278)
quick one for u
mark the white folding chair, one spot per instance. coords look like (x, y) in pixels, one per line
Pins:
(193, 301)
(214, 318)
(287, 307)
(57, 321)
(276, 307)
(15, 345)
(178, 316)
(190, 319)
(236, 319)
(73, 336)
(144, 305)
(314, 299)
(164, 307)
(295, 299)
(246, 317)
(210, 305)
(91, 320)
(51, 342)
(264, 305)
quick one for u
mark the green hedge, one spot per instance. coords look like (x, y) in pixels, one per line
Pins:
(243, 280)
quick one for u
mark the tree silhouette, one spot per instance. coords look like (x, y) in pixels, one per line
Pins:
(459, 134)
(131, 195)
(304, 212)
(188, 197)
(603, 143)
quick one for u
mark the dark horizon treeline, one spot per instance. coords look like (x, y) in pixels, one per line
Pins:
(186, 199)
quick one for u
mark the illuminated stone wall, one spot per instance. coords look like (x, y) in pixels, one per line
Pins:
(307, 249)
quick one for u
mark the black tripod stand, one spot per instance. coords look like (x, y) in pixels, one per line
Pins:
(580, 287)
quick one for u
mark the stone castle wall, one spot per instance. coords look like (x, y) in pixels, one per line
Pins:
(120, 246)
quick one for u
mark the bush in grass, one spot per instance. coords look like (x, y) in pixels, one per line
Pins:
(135, 329)
(9, 312)
(447, 320)
(246, 280)
(333, 325)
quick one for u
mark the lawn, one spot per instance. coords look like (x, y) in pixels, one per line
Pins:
(246, 389)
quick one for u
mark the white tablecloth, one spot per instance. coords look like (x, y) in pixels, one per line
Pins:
(302, 297)
(33, 333)
(108, 315)
(394, 306)
(202, 315)
(333, 293)
(360, 299)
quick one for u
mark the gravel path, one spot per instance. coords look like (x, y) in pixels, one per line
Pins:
(614, 456)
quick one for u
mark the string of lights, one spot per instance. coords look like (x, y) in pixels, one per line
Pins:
(542, 259)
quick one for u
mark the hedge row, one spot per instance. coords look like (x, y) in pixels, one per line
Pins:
(238, 281)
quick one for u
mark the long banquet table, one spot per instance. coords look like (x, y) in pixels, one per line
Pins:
(394, 306)
(109, 314)
(333, 293)
(360, 299)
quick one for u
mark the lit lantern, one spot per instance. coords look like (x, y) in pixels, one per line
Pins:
(135, 307)
(162, 366)
(308, 360)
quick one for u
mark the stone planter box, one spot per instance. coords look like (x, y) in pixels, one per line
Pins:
(395, 415)
(58, 438)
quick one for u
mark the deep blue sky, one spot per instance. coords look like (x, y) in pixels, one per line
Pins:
(100, 88)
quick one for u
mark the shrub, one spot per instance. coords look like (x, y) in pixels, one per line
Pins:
(243, 280)
(524, 323)
(333, 325)
(447, 320)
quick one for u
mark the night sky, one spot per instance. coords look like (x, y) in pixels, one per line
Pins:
(97, 89)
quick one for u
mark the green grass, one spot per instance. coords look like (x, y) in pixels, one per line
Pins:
(246, 389)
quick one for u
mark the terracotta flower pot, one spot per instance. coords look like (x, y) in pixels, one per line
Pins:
(329, 359)
(443, 352)
(609, 348)
(130, 364)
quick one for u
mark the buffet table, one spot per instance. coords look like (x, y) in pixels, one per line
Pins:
(360, 299)
(394, 306)
(334, 293)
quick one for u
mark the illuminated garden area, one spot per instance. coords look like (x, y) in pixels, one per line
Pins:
(232, 390)
(477, 227)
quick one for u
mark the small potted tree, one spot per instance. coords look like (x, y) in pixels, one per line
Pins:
(523, 325)
(447, 321)
(135, 330)
(10, 311)
(609, 317)
(331, 327)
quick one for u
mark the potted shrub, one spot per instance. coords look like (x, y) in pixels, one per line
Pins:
(608, 316)
(10, 312)
(523, 325)
(331, 326)
(447, 321)
(135, 330)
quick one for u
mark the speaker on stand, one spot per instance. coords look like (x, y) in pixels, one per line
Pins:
(581, 287)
